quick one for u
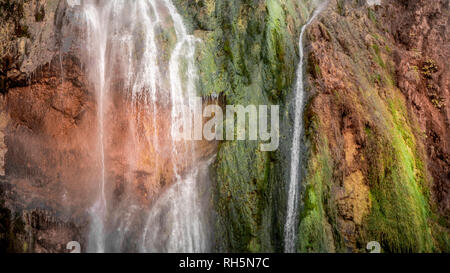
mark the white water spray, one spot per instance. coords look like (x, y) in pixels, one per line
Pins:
(124, 46)
(294, 179)
(96, 35)
(177, 221)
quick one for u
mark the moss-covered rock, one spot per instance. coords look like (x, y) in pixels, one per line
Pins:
(365, 138)
(366, 171)
(248, 55)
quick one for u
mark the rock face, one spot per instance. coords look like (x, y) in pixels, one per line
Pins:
(45, 111)
(423, 77)
(377, 166)
(376, 122)
(29, 38)
(38, 230)
(249, 56)
(378, 119)
(49, 126)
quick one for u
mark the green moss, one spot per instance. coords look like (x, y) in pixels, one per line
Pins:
(249, 57)
(376, 79)
(314, 234)
(240, 181)
(441, 235)
(398, 190)
(372, 16)
(276, 45)
(401, 215)
(314, 68)
(378, 58)
(340, 7)
(388, 49)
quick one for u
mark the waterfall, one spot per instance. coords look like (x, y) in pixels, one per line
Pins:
(294, 179)
(140, 51)
(98, 36)
(177, 221)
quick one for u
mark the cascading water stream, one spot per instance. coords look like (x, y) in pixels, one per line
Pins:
(183, 227)
(98, 35)
(127, 45)
(294, 179)
(177, 221)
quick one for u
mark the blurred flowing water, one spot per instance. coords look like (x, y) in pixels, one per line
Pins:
(141, 52)
(290, 229)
